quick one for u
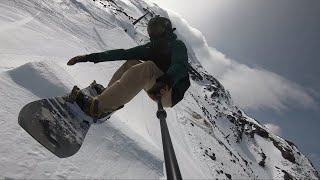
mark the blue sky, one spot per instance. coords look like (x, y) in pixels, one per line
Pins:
(277, 44)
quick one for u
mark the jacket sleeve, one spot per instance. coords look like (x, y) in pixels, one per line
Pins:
(118, 54)
(179, 64)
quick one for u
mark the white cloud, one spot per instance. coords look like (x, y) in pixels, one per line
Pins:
(274, 128)
(251, 88)
(257, 88)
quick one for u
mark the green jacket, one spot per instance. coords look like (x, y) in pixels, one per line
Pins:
(171, 58)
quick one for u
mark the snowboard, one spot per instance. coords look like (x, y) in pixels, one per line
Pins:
(60, 126)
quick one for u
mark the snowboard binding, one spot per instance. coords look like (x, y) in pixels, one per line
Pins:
(88, 104)
(97, 87)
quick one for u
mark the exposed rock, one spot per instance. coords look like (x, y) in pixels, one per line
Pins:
(228, 176)
(262, 162)
(285, 152)
(287, 176)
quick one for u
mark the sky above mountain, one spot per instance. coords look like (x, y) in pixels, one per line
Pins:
(269, 60)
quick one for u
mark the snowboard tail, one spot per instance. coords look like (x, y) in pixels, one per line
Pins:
(48, 122)
(58, 125)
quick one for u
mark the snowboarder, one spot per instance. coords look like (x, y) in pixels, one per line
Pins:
(160, 66)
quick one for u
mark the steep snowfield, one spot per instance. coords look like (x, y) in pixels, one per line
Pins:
(211, 136)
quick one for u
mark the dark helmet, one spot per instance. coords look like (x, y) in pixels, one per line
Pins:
(159, 26)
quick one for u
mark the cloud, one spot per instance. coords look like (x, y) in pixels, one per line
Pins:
(251, 88)
(258, 88)
(274, 128)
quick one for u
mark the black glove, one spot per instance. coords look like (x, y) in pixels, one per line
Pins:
(156, 88)
(163, 82)
(77, 59)
(83, 58)
(166, 80)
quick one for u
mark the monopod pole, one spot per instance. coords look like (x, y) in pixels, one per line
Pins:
(172, 167)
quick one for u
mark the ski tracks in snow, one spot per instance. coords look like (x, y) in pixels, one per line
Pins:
(17, 19)
(11, 25)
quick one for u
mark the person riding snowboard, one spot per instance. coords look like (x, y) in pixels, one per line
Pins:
(159, 66)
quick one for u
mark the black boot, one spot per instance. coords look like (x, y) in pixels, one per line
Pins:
(99, 89)
(84, 102)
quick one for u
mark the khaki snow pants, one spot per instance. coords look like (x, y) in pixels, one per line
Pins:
(128, 81)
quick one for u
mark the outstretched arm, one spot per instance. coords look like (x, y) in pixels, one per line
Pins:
(111, 55)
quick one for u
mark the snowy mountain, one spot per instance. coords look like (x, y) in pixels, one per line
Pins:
(211, 136)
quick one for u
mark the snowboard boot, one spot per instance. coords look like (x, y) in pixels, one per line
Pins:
(88, 104)
(97, 87)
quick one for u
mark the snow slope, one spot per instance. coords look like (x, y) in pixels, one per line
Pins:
(212, 137)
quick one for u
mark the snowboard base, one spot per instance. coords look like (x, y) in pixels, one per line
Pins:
(58, 125)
